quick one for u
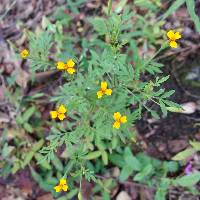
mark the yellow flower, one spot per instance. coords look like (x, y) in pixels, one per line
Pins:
(104, 90)
(59, 113)
(70, 63)
(68, 67)
(60, 65)
(118, 120)
(173, 36)
(24, 53)
(61, 186)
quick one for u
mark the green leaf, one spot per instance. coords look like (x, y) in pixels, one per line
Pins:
(162, 189)
(172, 166)
(168, 94)
(163, 108)
(72, 193)
(154, 114)
(171, 103)
(28, 158)
(145, 4)
(114, 142)
(183, 155)
(69, 166)
(104, 157)
(131, 160)
(120, 6)
(6, 150)
(105, 196)
(16, 167)
(36, 146)
(162, 80)
(57, 163)
(125, 173)
(28, 113)
(174, 109)
(189, 180)
(117, 160)
(93, 155)
(35, 175)
(160, 194)
(41, 161)
(80, 196)
(173, 8)
(28, 127)
(19, 120)
(191, 9)
(195, 145)
(99, 25)
(144, 173)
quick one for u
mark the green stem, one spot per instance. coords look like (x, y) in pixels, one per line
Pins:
(157, 52)
(109, 6)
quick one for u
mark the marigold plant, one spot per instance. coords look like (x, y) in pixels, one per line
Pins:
(102, 113)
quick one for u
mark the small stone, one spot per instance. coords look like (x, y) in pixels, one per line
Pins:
(116, 172)
(123, 196)
(189, 107)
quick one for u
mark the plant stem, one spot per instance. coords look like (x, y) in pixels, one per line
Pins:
(109, 6)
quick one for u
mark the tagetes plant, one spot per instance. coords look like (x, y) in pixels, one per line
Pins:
(104, 90)
(96, 126)
(68, 66)
(59, 113)
(118, 120)
(62, 186)
(173, 37)
(24, 53)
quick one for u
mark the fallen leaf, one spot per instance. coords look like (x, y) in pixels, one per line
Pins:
(4, 118)
(47, 196)
(22, 77)
(177, 145)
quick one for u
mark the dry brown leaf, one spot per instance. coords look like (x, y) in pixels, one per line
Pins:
(4, 118)
(22, 77)
(47, 196)
(177, 145)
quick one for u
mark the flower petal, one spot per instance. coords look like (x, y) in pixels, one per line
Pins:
(117, 116)
(58, 188)
(104, 86)
(70, 70)
(70, 63)
(63, 181)
(62, 109)
(173, 44)
(123, 119)
(99, 94)
(116, 125)
(60, 65)
(171, 34)
(108, 92)
(177, 35)
(65, 187)
(61, 117)
(24, 53)
(53, 114)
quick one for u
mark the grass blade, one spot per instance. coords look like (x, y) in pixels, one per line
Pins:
(173, 8)
(191, 9)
